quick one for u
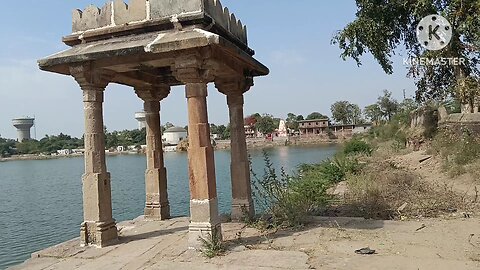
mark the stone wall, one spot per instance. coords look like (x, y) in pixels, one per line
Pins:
(117, 13)
(459, 122)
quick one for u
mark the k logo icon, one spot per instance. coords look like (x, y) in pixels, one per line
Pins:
(434, 32)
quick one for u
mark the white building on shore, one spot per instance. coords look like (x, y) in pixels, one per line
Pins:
(174, 135)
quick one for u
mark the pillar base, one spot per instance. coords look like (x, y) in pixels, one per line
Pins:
(98, 234)
(157, 206)
(198, 231)
(242, 210)
(155, 212)
(204, 222)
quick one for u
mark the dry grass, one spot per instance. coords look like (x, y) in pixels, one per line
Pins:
(460, 153)
(474, 170)
(383, 191)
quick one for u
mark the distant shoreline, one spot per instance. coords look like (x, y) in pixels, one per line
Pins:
(220, 145)
(46, 157)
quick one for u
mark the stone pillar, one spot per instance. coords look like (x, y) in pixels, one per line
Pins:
(98, 228)
(204, 219)
(242, 202)
(157, 206)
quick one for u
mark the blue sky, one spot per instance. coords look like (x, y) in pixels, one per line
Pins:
(291, 37)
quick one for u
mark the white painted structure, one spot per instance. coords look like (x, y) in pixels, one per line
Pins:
(140, 117)
(64, 152)
(282, 129)
(23, 126)
(174, 135)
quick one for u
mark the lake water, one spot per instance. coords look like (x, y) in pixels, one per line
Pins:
(41, 200)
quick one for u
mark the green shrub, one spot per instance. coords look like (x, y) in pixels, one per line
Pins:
(392, 130)
(286, 199)
(334, 171)
(356, 147)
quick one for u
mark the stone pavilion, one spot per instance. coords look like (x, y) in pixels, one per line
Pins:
(152, 45)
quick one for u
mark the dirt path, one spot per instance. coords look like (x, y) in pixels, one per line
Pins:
(440, 244)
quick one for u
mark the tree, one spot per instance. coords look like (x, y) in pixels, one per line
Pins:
(137, 137)
(28, 147)
(257, 116)
(111, 139)
(225, 132)
(6, 147)
(251, 120)
(388, 106)
(51, 144)
(213, 129)
(405, 109)
(316, 115)
(221, 131)
(266, 124)
(382, 26)
(292, 121)
(468, 91)
(355, 116)
(346, 113)
(374, 113)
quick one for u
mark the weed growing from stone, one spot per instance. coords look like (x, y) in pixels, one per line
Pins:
(212, 246)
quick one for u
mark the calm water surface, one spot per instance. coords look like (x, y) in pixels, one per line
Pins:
(41, 200)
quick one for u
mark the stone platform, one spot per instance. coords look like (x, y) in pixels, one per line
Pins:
(328, 243)
(160, 245)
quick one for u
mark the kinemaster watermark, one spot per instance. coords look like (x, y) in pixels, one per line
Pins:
(434, 33)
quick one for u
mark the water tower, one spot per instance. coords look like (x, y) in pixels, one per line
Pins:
(140, 116)
(23, 126)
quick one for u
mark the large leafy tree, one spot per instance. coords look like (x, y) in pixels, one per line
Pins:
(292, 121)
(388, 105)
(405, 109)
(316, 115)
(6, 147)
(222, 131)
(266, 124)
(383, 26)
(346, 113)
(374, 113)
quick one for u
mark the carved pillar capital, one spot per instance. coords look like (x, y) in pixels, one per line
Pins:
(91, 79)
(194, 68)
(153, 93)
(234, 86)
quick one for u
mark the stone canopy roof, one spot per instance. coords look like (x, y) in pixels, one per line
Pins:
(116, 15)
(141, 40)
